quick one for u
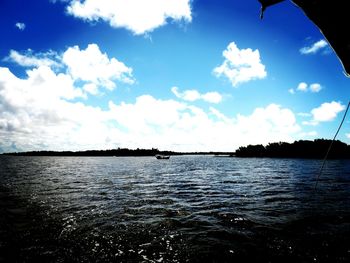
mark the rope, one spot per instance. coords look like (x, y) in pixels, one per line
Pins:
(330, 146)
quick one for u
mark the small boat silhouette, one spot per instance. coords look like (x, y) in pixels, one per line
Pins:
(159, 156)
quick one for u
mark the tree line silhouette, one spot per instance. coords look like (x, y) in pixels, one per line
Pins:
(112, 152)
(299, 149)
(119, 152)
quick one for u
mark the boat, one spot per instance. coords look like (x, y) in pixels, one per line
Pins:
(164, 157)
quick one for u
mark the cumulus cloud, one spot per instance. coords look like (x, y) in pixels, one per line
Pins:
(20, 26)
(240, 65)
(315, 87)
(29, 104)
(45, 110)
(138, 16)
(193, 95)
(314, 48)
(40, 112)
(328, 111)
(93, 66)
(173, 125)
(90, 66)
(304, 87)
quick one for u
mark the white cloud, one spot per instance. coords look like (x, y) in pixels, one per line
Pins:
(168, 124)
(189, 95)
(91, 88)
(302, 87)
(41, 111)
(314, 48)
(20, 26)
(139, 16)
(212, 97)
(328, 111)
(29, 60)
(45, 111)
(37, 113)
(90, 66)
(291, 91)
(315, 87)
(240, 65)
(193, 95)
(93, 66)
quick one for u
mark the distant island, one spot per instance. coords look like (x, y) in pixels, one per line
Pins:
(316, 149)
(112, 152)
(120, 152)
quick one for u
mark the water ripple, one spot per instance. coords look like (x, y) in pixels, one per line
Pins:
(189, 208)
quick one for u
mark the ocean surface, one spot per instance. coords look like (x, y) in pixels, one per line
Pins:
(186, 209)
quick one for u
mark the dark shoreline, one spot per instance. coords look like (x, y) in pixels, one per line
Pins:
(317, 149)
(115, 153)
(302, 149)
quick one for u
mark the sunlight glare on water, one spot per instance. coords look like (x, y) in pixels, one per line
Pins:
(187, 208)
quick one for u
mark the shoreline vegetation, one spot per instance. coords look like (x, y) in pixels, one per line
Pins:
(316, 149)
(304, 149)
(120, 152)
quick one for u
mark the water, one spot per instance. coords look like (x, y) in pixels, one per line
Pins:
(186, 209)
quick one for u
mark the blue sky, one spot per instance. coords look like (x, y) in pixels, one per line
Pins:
(173, 74)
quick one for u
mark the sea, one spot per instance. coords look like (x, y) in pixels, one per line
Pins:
(185, 209)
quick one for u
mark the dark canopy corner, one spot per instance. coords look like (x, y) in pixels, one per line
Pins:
(332, 18)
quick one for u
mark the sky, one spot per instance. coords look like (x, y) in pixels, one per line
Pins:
(181, 75)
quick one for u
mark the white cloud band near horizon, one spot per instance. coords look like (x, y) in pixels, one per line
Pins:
(240, 65)
(46, 110)
(138, 16)
(148, 122)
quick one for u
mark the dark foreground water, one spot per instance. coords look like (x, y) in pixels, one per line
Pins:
(186, 209)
